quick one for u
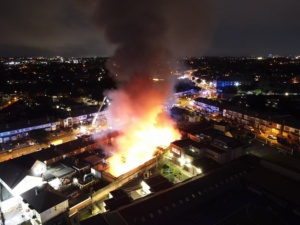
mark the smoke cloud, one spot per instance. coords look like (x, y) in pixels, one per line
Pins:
(147, 36)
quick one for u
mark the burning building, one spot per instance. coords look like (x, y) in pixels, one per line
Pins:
(144, 34)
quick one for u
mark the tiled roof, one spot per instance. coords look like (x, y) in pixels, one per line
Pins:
(12, 174)
(73, 145)
(42, 198)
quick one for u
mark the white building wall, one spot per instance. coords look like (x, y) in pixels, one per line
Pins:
(54, 211)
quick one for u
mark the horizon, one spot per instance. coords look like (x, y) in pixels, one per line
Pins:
(224, 28)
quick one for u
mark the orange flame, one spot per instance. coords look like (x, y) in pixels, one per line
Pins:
(140, 142)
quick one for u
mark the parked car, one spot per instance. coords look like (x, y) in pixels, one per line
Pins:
(30, 142)
(247, 127)
(271, 136)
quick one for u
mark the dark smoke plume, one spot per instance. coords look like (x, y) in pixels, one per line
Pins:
(147, 35)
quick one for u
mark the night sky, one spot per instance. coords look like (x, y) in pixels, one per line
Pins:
(212, 27)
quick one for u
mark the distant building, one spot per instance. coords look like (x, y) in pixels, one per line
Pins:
(16, 130)
(221, 126)
(186, 88)
(224, 81)
(208, 106)
(80, 116)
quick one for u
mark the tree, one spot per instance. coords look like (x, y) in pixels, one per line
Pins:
(256, 101)
(41, 136)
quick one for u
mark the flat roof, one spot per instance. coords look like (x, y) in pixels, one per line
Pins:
(158, 208)
(275, 183)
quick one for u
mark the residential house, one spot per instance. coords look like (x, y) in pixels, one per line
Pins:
(16, 178)
(221, 126)
(75, 147)
(20, 129)
(81, 116)
(44, 204)
(224, 149)
(210, 106)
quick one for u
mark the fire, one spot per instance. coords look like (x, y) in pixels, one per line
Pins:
(138, 144)
(142, 65)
